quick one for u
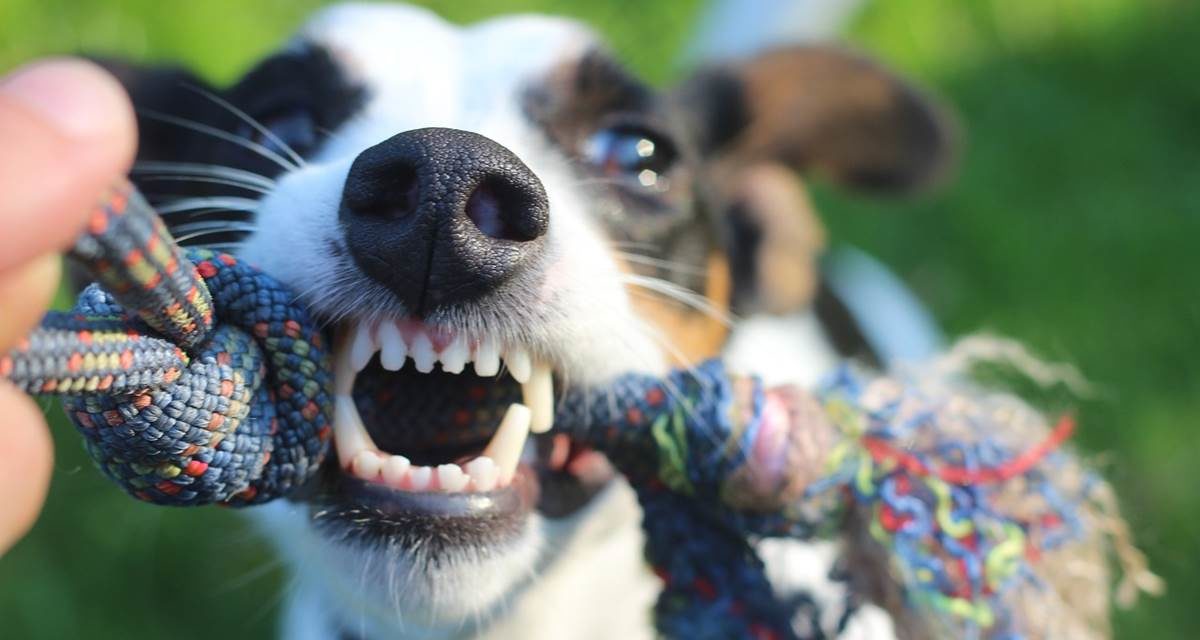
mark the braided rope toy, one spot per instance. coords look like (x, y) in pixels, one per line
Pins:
(196, 379)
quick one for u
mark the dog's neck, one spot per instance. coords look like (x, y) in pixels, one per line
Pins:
(593, 584)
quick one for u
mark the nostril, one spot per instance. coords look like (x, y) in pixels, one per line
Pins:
(396, 194)
(504, 211)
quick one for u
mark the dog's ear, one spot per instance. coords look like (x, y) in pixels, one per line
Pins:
(820, 111)
(168, 90)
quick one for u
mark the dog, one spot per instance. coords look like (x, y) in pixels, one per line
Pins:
(500, 211)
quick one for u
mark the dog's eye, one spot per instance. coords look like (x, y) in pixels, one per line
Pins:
(634, 154)
(292, 128)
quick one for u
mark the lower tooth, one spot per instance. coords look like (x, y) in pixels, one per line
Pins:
(420, 478)
(483, 473)
(395, 468)
(451, 478)
(367, 465)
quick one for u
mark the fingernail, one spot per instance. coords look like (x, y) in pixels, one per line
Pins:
(64, 93)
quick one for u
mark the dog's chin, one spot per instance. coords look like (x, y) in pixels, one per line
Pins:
(426, 559)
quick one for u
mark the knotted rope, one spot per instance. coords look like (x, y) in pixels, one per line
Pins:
(197, 379)
(193, 378)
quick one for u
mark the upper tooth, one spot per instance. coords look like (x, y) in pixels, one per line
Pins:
(519, 364)
(487, 358)
(508, 441)
(454, 356)
(362, 347)
(422, 353)
(451, 478)
(538, 394)
(393, 351)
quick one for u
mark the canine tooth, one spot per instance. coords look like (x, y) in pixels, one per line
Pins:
(362, 347)
(538, 394)
(420, 477)
(487, 358)
(394, 470)
(451, 478)
(508, 441)
(483, 473)
(454, 356)
(349, 434)
(422, 353)
(367, 465)
(393, 351)
(519, 364)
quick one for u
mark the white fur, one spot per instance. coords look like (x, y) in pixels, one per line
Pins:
(582, 577)
(420, 71)
(791, 349)
(591, 584)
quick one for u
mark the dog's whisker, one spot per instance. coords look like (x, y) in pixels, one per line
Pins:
(187, 237)
(249, 576)
(228, 203)
(245, 117)
(201, 169)
(221, 134)
(683, 295)
(669, 265)
(630, 244)
(204, 179)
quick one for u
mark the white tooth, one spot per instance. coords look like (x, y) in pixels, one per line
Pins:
(394, 470)
(420, 477)
(422, 353)
(538, 394)
(454, 356)
(487, 358)
(367, 465)
(508, 441)
(483, 473)
(451, 478)
(362, 347)
(519, 364)
(393, 351)
(349, 435)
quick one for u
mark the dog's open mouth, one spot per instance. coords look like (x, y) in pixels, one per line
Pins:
(434, 422)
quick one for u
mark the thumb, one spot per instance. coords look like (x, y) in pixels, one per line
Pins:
(68, 132)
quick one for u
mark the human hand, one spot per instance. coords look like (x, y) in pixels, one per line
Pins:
(67, 131)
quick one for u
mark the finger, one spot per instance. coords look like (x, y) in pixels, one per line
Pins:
(68, 132)
(25, 292)
(26, 458)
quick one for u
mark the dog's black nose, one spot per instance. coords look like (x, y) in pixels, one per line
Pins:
(441, 216)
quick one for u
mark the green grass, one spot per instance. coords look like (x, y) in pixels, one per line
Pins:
(1071, 226)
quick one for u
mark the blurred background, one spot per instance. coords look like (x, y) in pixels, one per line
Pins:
(1072, 226)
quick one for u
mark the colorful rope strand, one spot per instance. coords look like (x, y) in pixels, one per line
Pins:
(197, 379)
